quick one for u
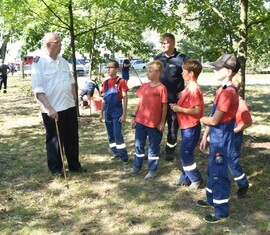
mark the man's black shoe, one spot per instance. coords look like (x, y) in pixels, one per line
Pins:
(58, 174)
(242, 192)
(78, 170)
(169, 157)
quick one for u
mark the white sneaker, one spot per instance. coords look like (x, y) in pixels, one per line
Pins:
(150, 175)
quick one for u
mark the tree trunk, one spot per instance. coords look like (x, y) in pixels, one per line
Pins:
(242, 49)
(72, 45)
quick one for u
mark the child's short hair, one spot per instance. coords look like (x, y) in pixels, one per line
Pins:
(193, 66)
(115, 63)
(168, 35)
(156, 65)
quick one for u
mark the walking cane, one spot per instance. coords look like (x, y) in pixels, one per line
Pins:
(61, 152)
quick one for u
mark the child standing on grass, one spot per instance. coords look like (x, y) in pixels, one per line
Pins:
(149, 120)
(220, 127)
(89, 89)
(114, 91)
(243, 121)
(189, 110)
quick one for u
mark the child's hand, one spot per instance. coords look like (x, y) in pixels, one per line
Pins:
(203, 145)
(122, 119)
(161, 127)
(133, 123)
(174, 107)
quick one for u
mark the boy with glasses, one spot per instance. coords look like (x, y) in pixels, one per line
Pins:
(114, 90)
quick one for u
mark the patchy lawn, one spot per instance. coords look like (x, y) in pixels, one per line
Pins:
(104, 200)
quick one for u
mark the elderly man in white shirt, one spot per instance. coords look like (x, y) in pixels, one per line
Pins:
(54, 88)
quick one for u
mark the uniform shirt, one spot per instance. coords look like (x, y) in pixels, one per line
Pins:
(190, 98)
(3, 69)
(122, 86)
(125, 69)
(243, 115)
(228, 102)
(54, 79)
(149, 112)
(171, 76)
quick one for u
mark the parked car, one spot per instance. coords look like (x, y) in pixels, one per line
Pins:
(79, 68)
(138, 64)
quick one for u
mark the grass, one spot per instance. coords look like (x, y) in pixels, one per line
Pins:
(104, 200)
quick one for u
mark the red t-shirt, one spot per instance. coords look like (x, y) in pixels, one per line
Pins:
(190, 98)
(228, 102)
(122, 86)
(243, 114)
(150, 109)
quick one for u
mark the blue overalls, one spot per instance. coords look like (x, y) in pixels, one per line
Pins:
(155, 137)
(218, 183)
(113, 111)
(234, 166)
(190, 138)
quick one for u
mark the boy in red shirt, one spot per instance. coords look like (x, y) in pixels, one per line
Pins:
(220, 127)
(243, 121)
(149, 120)
(189, 110)
(114, 91)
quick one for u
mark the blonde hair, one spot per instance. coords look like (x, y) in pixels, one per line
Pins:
(156, 65)
(237, 81)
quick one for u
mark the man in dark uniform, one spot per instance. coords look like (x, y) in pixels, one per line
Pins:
(125, 68)
(4, 70)
(172, 78)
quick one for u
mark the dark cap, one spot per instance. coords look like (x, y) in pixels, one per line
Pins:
(229, 61)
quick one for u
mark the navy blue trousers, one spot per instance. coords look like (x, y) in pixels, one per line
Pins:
(155, 137)
(68, 131)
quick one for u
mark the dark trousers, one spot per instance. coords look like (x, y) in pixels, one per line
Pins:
(172, 131)
(68, 131)
(3, 80)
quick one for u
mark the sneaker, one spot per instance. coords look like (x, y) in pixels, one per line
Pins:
(5, 91)
(196, 185)
(150, 175)
(115, 158)
(180, 183)
(169, 157)
(135, 171)
(203, 203)
(242, 192)
(212, 218)
(78, 170)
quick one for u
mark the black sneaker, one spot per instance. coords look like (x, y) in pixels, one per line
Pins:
(242, 192)
(78, 170)
(169, 157)
(212, 219)
(203, 203)
(5, 91)
(180, 183)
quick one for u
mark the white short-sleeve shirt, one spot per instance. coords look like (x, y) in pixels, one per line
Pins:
(54, 79)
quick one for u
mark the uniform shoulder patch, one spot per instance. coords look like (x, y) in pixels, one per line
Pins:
(36, 59)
